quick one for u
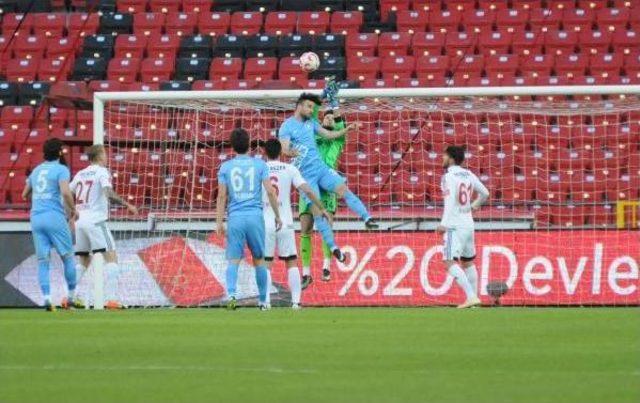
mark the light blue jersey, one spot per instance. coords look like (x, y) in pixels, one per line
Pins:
(45, 186)
(302, 135)
(243, 177)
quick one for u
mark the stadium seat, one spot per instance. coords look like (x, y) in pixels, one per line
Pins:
(162, 46)
(229, 6)
(527, 43)
(394, 44)
(33, 94)
(132, 6)
(148, 24)
(328, 5)
(613, 19)
(329, 45)
(545, 19)
(165, 6)
(537, 65)
(427, 43)
(196, 46)
(460, 43)
(29, 46)
(294, 45)
(224, 69)
(289, 69)
(346, 22)
(155, 70)
(412, 21)
(89, 68)
(181, 24)
(246, 23)
(560, 42)
(362, 68)
(431, 65)
(98, 46)
(17, 24)
(364, 44)
(444, 20)
(261, 46)
(479, 20)
(594, 42)
(81, 24)
(196, 6)
(116, 23)
(52, 70)
(578, 19)
(313, 22)
(606, 64)
(124, 70)
(280, 23)
(230, 46)
(260, 69)
(391, 7)
(191, 69)
(492, 43)
(130, 46)
(22, 70)
(512, 20)
(378, 83)
(106, 86)
(51, 25)
(571, 65)
(15, 117)
(214, 24)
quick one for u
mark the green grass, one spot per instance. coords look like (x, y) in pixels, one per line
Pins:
(346, 355)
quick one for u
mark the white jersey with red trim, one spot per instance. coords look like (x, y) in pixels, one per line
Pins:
(458, 185)
(282, 177)
(91, 200)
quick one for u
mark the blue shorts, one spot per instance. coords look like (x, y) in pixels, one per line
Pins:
(325, 179)
(245, 230)
(51, 229)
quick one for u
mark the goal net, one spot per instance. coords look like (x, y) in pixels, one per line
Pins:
(562, 165)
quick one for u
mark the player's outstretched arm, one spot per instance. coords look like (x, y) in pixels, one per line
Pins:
(287, 150)
(220, 207)
(116, 198)
(273, 201)
(314, 199)
(481, 190)
(334, 134)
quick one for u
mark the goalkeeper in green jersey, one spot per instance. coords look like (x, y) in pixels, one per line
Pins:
(330, 151)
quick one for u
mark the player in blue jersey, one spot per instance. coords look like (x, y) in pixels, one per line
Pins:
(298, 137)
(242, 179)
(48, 186)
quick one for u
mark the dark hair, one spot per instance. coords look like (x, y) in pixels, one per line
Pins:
(240, 140)
(273, 148)
(456, 153)
(307, 96)
(94, 151)
(328, 112)
(52, 149)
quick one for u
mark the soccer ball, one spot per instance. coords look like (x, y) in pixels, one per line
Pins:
(309, 62)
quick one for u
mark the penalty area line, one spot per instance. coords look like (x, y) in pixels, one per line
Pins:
(158, 368)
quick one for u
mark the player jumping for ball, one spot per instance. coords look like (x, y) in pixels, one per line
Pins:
(282, 177)
(93, 189)
(458, 185)
(297, 135)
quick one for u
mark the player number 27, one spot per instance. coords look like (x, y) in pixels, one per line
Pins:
(80, 197)
(238, 179)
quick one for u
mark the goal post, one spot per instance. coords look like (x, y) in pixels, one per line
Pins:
(558, 162)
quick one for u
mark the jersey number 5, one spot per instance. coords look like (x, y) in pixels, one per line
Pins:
(464, 194)
(79, 197)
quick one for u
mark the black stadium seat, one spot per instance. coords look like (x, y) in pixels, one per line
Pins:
(229, 6)
(294, 45)
(8, 93)
(89, 69)
(191, 69)
(33, 93)
(328, 5)
(230, 46)
(116, 23)
(98, 46)
(196, 46)
(175, 86)
(329, 45)
(261, 46)
(264, 6)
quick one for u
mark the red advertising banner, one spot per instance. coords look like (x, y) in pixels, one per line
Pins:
(540, 268)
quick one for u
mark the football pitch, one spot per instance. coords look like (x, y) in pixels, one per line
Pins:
(321, 355)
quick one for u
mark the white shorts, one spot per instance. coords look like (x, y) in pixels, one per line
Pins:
(93, 238)
(285, 240)
(458, 243)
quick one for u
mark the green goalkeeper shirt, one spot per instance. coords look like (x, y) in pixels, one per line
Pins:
(330, 150)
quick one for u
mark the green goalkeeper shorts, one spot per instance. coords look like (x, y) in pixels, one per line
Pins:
(329, 201)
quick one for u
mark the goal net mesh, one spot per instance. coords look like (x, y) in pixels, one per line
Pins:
(559, 227)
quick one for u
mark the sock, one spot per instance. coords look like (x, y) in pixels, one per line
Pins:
(111, 286)
(326, 252)
(268, 298)
(262, 275)
(322, 224)
(305, 251)
(80, 271)
(356, 205)
(461, 279)
(70, 274)
(43, 279)
(232, 279)
(294, 284)
(472, 276)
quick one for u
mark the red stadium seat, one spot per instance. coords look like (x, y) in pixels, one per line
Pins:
(411, 187)
(61, 48)
(214, 23)
(627, 41)
(431, 65)
(148, 24)
(362, 44)
(225, 69)
(563, 4)
(346, 22)
(493, 4)
(156, 70)
(537, 66)
(362, 68)
(492, 43)
(444, 21)
(52, 70)
(478, 20)
(203, 85)
(512, 20)
(571, 65)
(595, 41)
(461, 5)
(17, 24)
(181, 24)
(426, 5)
(131, 46)
(504, 64)
(260, 68)
(280, 23)
(606, 64)
(412, 21)
(16, 117)
(165, 6)
(313, 22)
(50, 25)
(461, 43)
(246, 23)
(81, 24)
(579, 20)
(394, 44)
(29, 46)
(289, 69)
(392, 6)
(378, 83)
(527, 43)
(613, 19)
(545, 19)
(427, 43)
(560, 42)
(132, 6)
(124, 70)
(397, 67)
(232, 85)
(162, 46)
(106, 86)
(22, 70)
(468, 64)
(196, 6)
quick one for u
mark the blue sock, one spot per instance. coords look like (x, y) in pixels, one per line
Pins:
(232, 279)
(262, 277)
(322, 224)
(43, 278)
(356, 205)
(70, 273)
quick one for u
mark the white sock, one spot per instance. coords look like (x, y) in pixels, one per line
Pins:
(472, 276)
(111, 286)
(306, 271)
(294, 284)
(268, 300)
(80, 272)
(326, 263)
(461, 279)
(71, 294)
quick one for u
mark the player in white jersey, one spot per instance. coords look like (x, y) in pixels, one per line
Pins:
(458, 185)
(283, 176)
(93, 190)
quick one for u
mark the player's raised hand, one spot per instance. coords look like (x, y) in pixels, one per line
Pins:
(350, 126)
